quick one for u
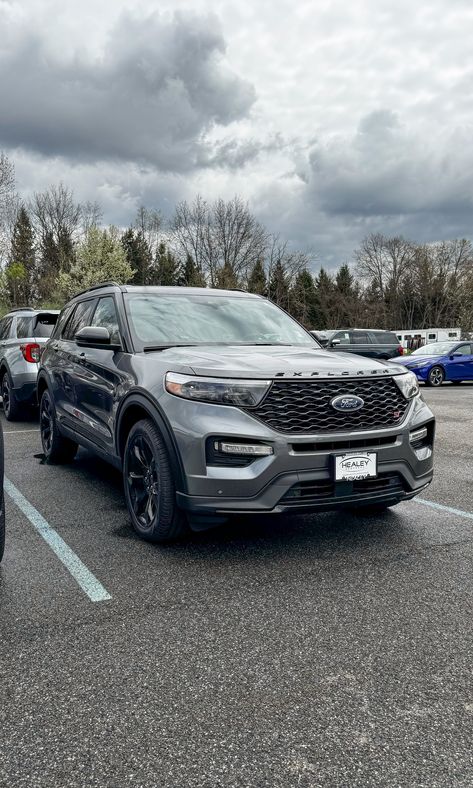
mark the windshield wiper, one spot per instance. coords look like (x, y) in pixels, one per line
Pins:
(151, 348)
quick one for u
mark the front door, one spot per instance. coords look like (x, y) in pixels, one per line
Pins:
(97, 378)
(461, 366)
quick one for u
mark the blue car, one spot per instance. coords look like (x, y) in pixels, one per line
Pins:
(440, 361)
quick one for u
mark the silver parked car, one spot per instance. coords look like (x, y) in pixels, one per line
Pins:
(23, 332)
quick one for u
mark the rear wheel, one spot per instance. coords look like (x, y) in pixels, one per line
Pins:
(150, 491)
(435, 377)
(11, 407)
(56, 448)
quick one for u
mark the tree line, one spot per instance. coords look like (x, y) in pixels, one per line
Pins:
(52, 246)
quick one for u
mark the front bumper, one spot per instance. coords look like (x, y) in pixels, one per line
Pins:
(269, 484)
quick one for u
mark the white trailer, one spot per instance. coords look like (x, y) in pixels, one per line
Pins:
(425, 336)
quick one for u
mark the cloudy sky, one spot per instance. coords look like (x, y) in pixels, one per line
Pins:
(333, 118)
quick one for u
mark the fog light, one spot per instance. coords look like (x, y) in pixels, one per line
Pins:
(418, 435)
(247, 449)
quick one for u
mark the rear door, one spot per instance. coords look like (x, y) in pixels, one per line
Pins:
(97, 378)
(362, 345)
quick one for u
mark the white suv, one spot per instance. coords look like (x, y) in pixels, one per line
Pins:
(23, 332)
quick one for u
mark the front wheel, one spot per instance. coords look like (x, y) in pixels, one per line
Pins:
(150, 490)
(435, 377)
(57, 449)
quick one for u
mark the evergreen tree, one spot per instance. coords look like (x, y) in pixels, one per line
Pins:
(166, 267)
(257, 282)
(225, 277)
(191, 274)
(324, 289)
(278, 285)
(303, 299)
(21, 268)
(138, 256)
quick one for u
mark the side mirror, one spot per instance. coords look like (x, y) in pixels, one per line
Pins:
(456, 355)
(95, 337)
(335, 342)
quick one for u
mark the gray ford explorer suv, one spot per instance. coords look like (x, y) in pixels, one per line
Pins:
(23, 333)
(215, 402)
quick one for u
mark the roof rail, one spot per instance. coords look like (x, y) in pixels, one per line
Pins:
(96, 287)
(22, 309)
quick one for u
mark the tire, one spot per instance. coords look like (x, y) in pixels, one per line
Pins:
(435, 377)
(11, 406)
(57, 449)
(150, 491)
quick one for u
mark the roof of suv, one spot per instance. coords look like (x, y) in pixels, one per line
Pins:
(29, 311)
(207, 291)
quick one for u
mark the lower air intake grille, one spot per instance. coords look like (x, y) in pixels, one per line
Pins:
(303, 406)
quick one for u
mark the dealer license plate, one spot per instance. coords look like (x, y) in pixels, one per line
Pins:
(357, 465)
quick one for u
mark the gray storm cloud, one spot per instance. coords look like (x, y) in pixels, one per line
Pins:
(151, 94)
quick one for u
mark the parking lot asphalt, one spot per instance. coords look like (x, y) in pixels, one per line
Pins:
(326, 650)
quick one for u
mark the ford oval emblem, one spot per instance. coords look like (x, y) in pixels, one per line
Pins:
(347, 402)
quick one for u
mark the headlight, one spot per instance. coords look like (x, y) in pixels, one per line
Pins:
(244, 393)
(416, 364)
(408, 384)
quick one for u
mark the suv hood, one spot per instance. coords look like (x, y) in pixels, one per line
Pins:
(272, 362)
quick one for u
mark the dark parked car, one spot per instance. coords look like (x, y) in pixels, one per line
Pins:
(213, 402)
(2, 497)
(368, 342)
(440, 361)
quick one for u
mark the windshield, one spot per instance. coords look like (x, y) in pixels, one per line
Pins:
(435, 349)
(164, 320)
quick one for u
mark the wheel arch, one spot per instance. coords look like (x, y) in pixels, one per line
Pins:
(136, 407)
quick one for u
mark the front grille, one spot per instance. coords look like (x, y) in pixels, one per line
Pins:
(344, 445)
(319, 490)
(303, 406)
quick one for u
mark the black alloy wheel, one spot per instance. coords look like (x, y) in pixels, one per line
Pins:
(436, 376)
(143, 481)
(150, 490)
(56, 448)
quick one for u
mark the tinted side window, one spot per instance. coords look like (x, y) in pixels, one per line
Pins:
(343, 336)
(44, 325)
(360, 338)
(105, 316)
(24, 327)
(384, 338)
(79, 318)
(465, 350)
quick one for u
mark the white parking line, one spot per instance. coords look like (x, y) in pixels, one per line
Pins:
(17, 432)
(442, 508)
(83, 576)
